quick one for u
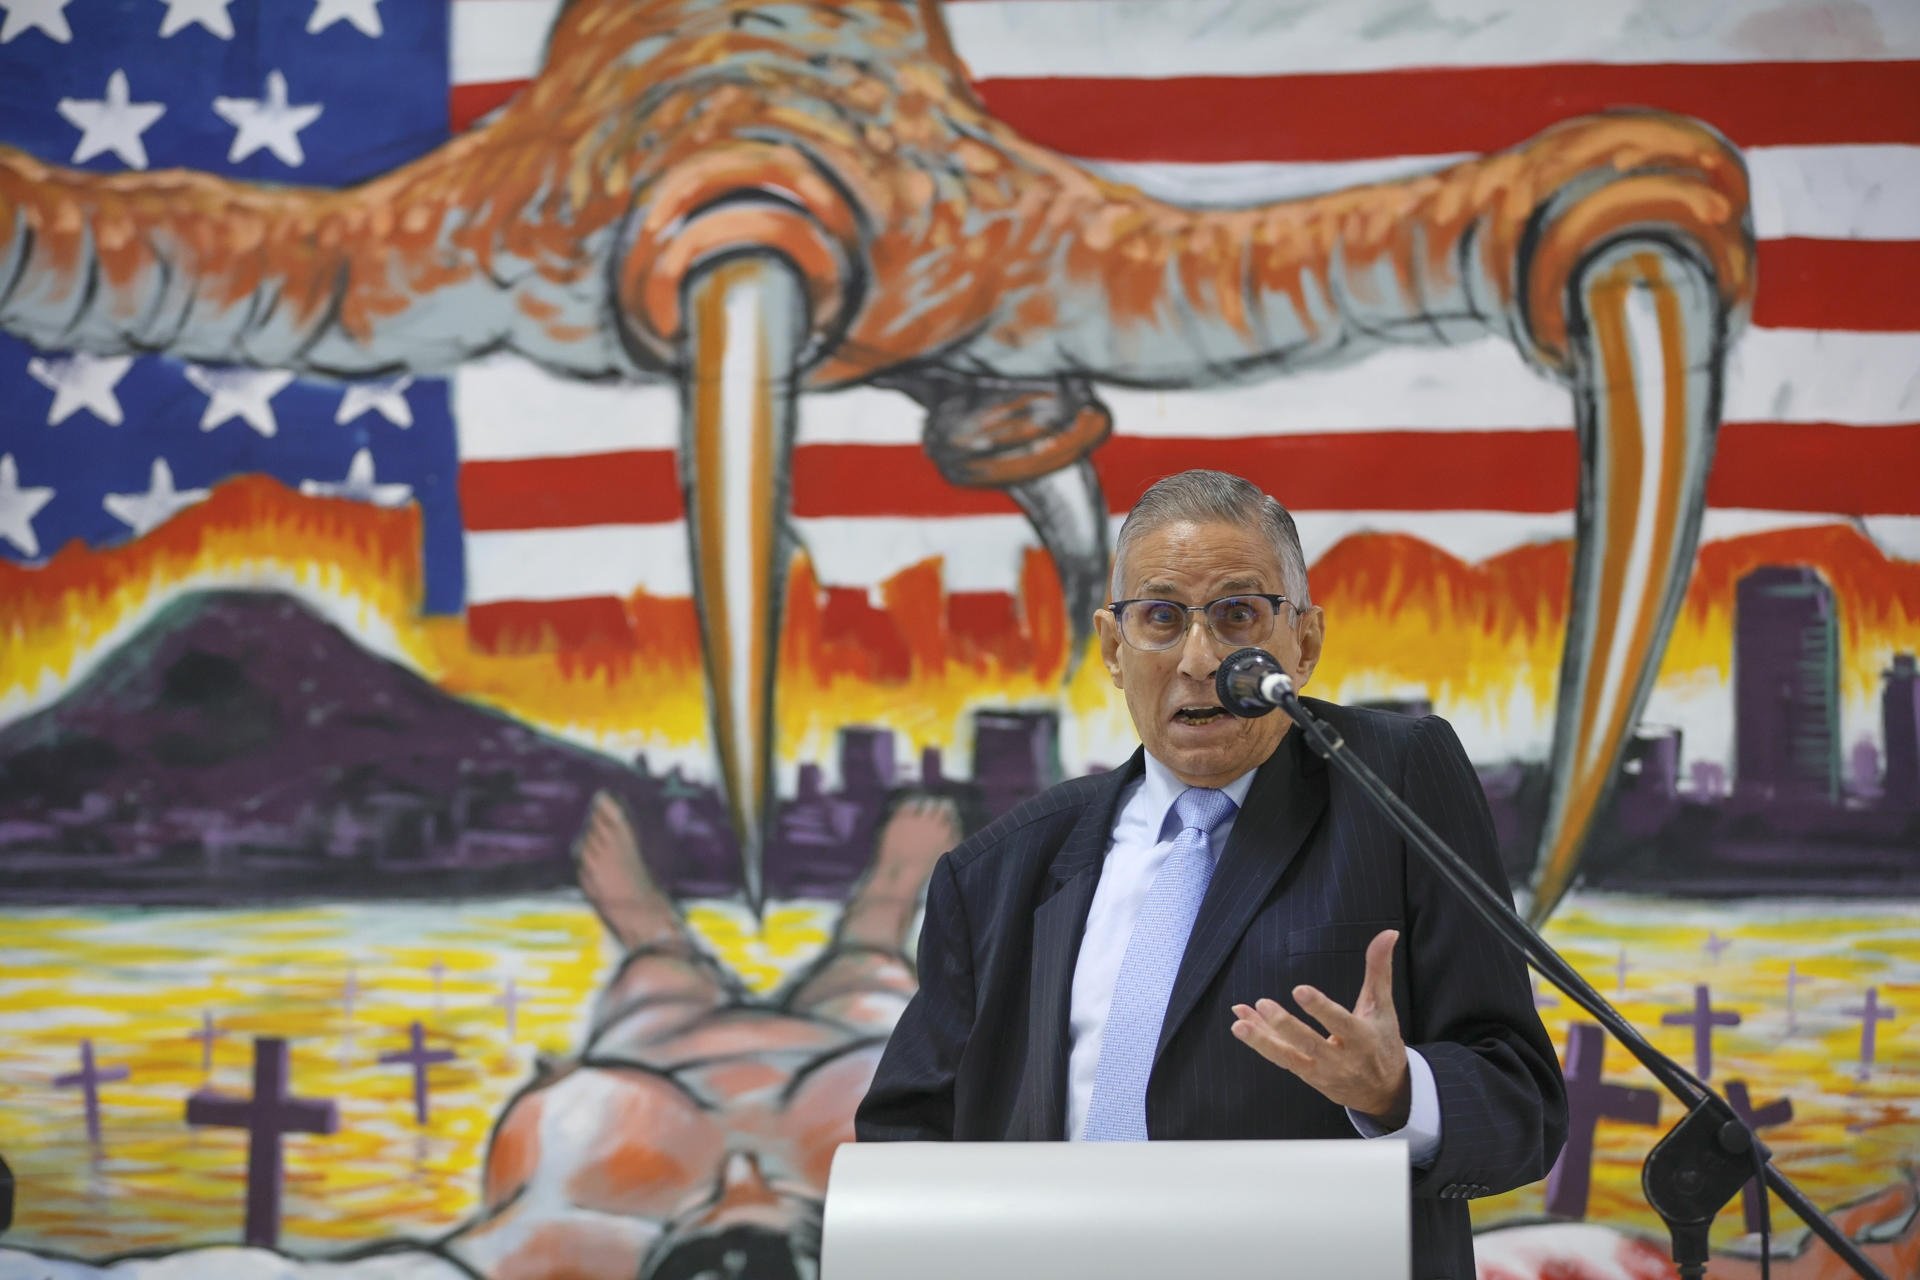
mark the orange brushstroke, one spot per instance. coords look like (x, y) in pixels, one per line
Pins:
(1404, 615)
(251, 531)
(514, 1154)
(952, 652)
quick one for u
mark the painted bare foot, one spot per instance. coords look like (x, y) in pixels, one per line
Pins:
(615, 879)
(864, 979)
(881, 907)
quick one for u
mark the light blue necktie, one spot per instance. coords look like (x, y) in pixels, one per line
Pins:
(1117, 1112)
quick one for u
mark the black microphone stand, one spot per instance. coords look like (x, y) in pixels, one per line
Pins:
(1706, 1158)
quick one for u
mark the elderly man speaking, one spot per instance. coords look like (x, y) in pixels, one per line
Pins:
(1220, 939)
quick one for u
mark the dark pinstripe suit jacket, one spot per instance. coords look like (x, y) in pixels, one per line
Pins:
(1309, 875)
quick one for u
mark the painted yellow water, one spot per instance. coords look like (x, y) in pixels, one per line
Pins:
(1851, 1131)
(137, 983)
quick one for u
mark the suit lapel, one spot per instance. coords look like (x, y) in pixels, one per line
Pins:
(1057, 925)
(1287, 797)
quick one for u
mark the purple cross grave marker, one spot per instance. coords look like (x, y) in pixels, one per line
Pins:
(1703, 1018)
(1620, 967)
(208, 1033)
(1871, 1015)
(88, 1080)
(1715, 944)
(267, 1116)
(1589, 1100)
(509, 1001)
(1777, 1112)
(419, 1057)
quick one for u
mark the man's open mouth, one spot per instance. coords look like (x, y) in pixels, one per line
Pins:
(1199, 715)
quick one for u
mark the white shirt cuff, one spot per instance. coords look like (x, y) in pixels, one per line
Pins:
(1422, 1130)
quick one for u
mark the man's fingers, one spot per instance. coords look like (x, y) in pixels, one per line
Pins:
(1302, 1038)
(1376, 993)
(1279, 1027)
(1334, 1016)
(1259, 1035)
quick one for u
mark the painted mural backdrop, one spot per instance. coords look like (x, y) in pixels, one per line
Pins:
(528, 527)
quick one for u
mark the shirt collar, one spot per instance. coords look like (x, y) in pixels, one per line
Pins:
(1159, 789)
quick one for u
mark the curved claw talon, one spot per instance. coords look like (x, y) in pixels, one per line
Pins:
(1034, 439)
(1646, 385)
(737, 428)
(1069, 512)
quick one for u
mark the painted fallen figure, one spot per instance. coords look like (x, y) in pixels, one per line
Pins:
(692, 1133)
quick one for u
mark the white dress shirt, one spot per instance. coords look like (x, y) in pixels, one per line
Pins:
(1144, 828)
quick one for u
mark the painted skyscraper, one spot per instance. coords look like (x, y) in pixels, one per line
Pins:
(1786, 685)
(866, 760)
(1900, 720)
(1016, 754)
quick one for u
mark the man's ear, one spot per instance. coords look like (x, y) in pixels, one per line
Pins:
(1310, 630)
(1109, 629)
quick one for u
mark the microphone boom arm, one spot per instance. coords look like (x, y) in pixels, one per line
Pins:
(1711, 1147)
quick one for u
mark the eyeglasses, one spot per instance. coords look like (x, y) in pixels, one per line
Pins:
(1161, 624)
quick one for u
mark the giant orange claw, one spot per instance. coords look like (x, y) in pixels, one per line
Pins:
(932, 250)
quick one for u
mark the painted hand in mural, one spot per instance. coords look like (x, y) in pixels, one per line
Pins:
(1361, 1061)
(904, 238)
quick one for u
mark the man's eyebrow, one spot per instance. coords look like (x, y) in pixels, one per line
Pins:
(1162, 590)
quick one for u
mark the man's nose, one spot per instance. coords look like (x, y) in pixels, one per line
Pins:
(1198, 658)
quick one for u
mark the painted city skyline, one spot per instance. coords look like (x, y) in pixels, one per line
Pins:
(337, 818)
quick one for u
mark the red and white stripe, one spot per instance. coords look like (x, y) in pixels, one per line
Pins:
(570, 494)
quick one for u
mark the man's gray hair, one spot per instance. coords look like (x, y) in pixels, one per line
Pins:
(1216, 497)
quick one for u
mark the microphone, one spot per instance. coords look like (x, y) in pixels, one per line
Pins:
(1251, 682)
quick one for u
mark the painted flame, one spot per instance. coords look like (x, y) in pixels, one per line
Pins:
(1481, 641)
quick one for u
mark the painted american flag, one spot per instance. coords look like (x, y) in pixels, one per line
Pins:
(104, 449)
(1240, 100)
(567, 502)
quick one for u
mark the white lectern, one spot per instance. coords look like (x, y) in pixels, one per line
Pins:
(1117, 1210)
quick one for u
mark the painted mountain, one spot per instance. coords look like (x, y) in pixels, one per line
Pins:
(241, 748)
